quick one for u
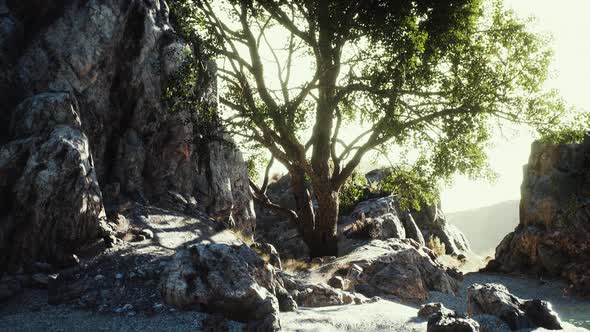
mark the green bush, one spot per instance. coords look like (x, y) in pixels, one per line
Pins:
(353, 191)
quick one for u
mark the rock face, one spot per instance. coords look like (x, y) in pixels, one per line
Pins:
(553, 236)
(494, 299)
(387, 217)
(397, 268)
(231, 280)
(82, 126)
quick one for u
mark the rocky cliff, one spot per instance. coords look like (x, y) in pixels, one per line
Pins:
(83, 127)
(553, 235)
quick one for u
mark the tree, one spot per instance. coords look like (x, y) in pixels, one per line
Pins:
(426, 76)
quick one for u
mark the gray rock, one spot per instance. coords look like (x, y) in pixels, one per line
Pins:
(319, 295)
(429, 309)
(401, 268)
(83, 126)
(231, 280)
(495, 299)
(268, 250)
(442, 323)
(553, 234)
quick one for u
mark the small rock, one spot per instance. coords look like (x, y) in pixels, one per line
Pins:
(354, 272)
(339, 282)
(98, 277)
(119, 276)
(442, 323)
(429, 309)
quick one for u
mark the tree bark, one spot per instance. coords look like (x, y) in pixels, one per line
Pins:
(323, 241)
(318, 228)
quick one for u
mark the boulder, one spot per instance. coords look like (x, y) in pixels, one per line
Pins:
(495, 299)
(319, 295)
(553, 234)
(228, 279)
(385, 218)
(442, 323)
(429, 309)
(395, 267)
(84, 128)
(441, 319)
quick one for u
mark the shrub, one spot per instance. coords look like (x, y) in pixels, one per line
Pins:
(353, 192)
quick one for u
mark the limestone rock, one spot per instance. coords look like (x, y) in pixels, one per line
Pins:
(395, 267)
(495, 299)
(429, 309)
(442, 323)
(83, 126)
(231, 280)
(553, 235)
(319, 295)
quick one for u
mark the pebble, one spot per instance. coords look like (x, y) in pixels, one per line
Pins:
(119, 276)
(99, 277)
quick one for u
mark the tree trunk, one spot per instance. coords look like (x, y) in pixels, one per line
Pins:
(317, 228)
(323, 241)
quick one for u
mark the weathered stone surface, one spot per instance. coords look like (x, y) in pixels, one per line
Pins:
(442, 323)
(553, 236)
(57, 206)
(395, 267)
(82, 114)
(429, 309)
(231, 280)
(432, 222)
(319, 295)
(416, 225)
(268, 250)
(495, 299)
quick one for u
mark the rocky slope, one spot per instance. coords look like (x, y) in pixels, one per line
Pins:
(83, 129)
(375, 218)
(553, 236)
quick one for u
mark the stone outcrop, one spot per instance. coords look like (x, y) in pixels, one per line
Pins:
(388, 220)
(441, 319)
(553, 235)
(399, 268)
(83, 126)
(495, 299)
(230, 280)
(319, 295)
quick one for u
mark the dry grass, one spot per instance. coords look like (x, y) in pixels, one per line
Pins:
(436, 246)
(297, 265)
(246, 238)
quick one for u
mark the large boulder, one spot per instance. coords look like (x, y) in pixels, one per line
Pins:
(495, 299)
(553, 236)
(82, 111)
(400, 268)
(230, 280)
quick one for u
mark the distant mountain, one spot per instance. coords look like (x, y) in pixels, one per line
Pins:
(485, 227)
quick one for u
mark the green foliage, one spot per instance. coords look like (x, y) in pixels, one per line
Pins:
(254, 162)
(411, 189)
(353, 191)
(570, 131)
(428, 78)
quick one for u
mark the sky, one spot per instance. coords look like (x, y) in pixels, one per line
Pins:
(569, 26)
